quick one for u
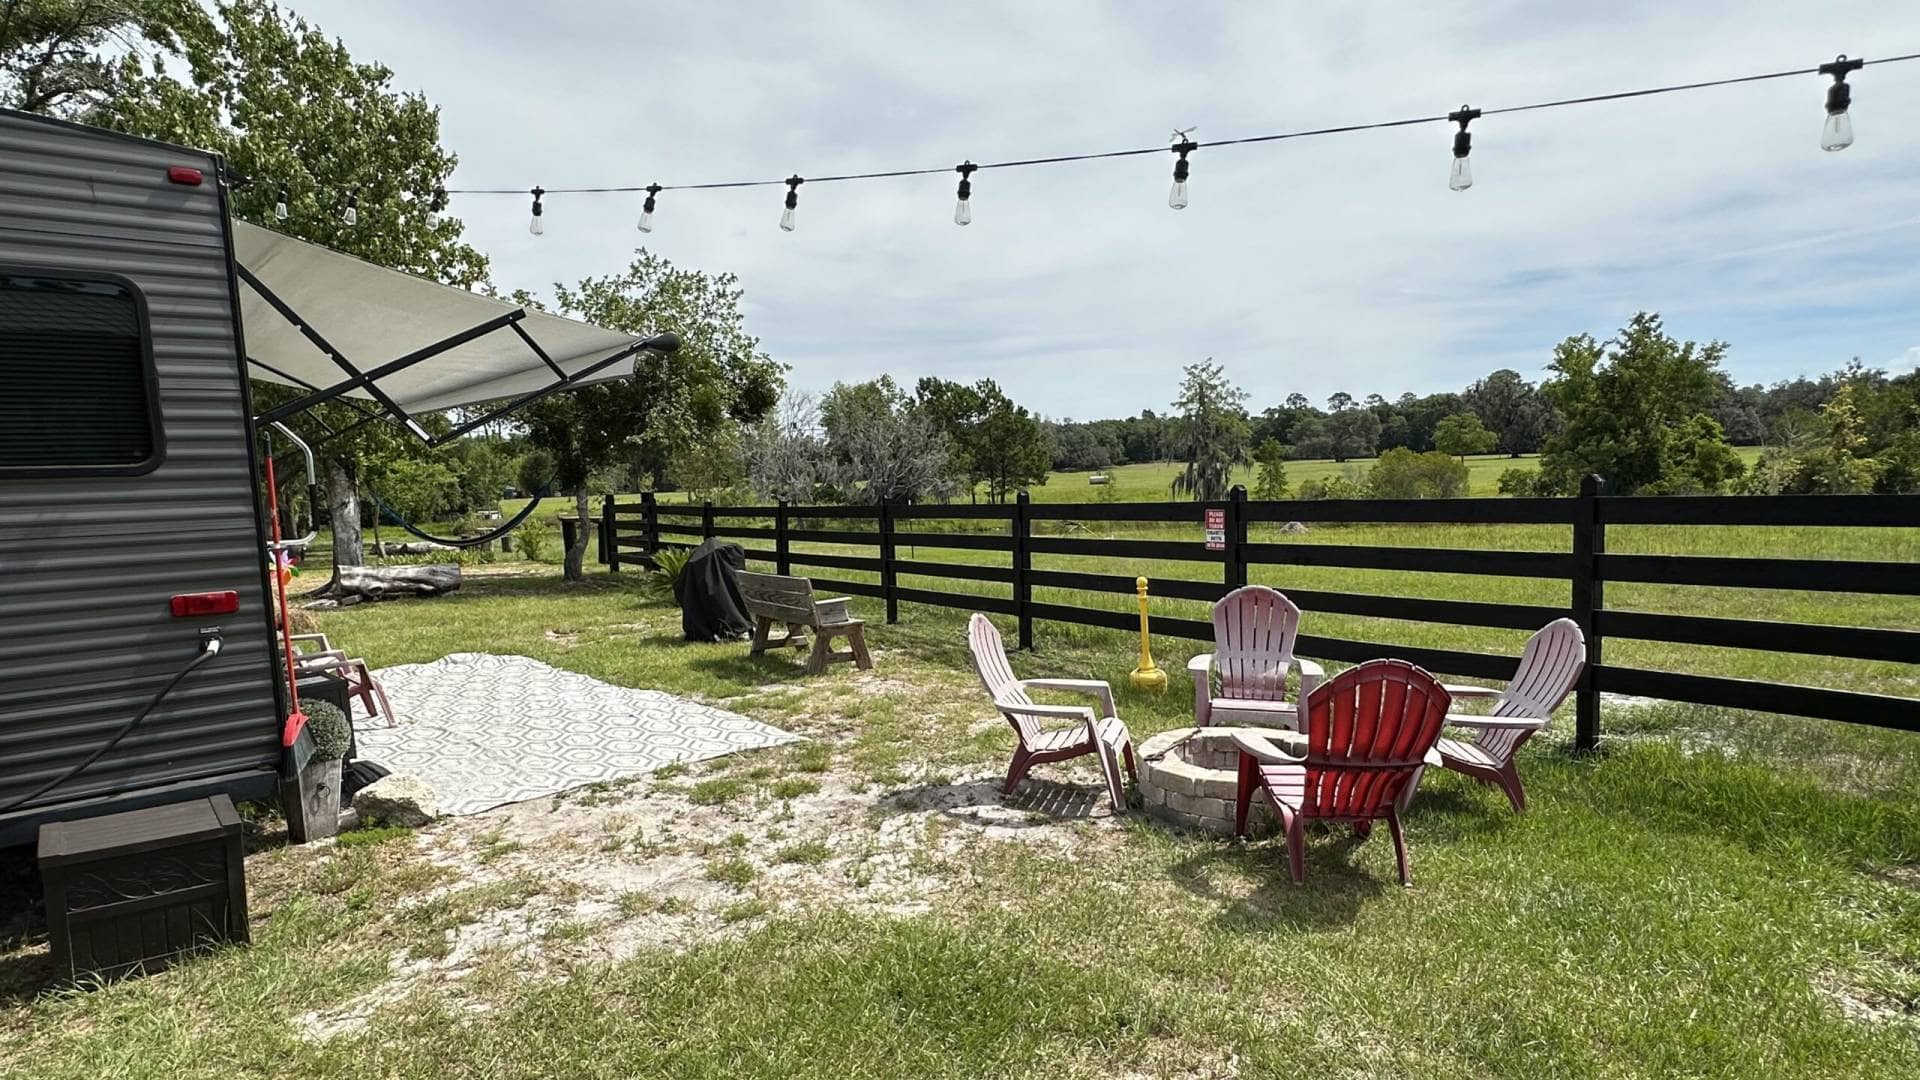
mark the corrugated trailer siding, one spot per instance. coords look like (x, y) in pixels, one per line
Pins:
(87, 563)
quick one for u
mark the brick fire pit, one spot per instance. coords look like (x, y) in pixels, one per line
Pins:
(1188, 777)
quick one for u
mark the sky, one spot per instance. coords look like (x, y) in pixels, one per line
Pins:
(1339, 263)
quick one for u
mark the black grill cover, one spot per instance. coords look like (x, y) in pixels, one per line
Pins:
(710, 605)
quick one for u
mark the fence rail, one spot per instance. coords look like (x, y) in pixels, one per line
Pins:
(630, 533)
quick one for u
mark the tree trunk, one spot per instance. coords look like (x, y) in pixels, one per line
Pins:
(343, 507)
(574, 568)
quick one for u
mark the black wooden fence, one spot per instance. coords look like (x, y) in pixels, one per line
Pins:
(630, 532)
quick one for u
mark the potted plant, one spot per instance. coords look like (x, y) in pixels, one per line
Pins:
(320, 780)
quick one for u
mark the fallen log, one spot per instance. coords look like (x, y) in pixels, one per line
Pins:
(382, 582)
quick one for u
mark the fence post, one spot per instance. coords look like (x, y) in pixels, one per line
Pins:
(780, 549)
(888, 585)
(1589, 542)
(609, 541)
(1023, 566)
(706, 519)
(1237, 536)
(652, 523)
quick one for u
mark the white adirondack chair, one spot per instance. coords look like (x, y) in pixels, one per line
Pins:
(1549, 667)
(1092, 731)
(1253, 632)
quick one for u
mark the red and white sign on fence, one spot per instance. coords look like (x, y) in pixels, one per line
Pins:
(1216, 529)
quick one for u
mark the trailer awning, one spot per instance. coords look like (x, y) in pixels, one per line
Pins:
(321, 320)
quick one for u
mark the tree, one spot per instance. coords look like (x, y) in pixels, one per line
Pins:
(1270, 481)
(1402, 474)
(1288, 424)
(1011, 450)
(1210, 433)
(1078, 447)
(1352, 433)
(1628, 407)
(290, 108)
(1462, 434)
(886, 448)
(786, 457)
(990, 440)
(54, 54)
(718, 380)
(1419, 416)
(1513, 409)
(1142, 437)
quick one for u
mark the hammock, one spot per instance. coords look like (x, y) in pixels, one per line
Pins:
(471, 541)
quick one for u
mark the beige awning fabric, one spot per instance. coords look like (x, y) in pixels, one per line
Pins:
(374, 315)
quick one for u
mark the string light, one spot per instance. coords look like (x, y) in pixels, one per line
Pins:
(280, 205)
(534, 224)
(962, 207)
(1461, 176)
(351, 215)
(1837, 133)
(646, 208)
(1177, 195)
(793, 201)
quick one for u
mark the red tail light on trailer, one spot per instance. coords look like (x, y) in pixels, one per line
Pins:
(182, 174)
(196, 605)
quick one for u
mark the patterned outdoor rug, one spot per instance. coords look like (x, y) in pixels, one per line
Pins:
(488, 730)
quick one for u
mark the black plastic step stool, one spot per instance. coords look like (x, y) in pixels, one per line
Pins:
(134, 890)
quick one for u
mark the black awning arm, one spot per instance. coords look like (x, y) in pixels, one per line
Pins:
(339, 359)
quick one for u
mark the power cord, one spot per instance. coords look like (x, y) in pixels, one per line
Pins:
(210, 642)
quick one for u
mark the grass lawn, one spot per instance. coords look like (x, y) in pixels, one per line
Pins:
(1720, 894)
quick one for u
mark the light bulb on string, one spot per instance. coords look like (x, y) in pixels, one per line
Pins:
(1837, 132)
(536, 225)
(1182, 145)
(1460, 178)
(793, 202)
(646, 209)
(280, 205)
(351, 215)
(963, 206)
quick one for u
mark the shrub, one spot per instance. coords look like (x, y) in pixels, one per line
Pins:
(533, 536)
(1333, 487)
(1403, 474)
(332, 734)
(668, 564)
(1518, 482)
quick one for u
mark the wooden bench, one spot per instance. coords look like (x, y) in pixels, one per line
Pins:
(777, 598)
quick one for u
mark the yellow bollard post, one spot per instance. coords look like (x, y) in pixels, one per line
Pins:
(1146, 676)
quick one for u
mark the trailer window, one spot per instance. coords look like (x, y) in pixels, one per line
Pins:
(77, 392)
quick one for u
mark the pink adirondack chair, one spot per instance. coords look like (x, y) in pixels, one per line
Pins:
(1370, 732)
(1092, 731)
(1253, 632)
(353, 670)
(1549, 667)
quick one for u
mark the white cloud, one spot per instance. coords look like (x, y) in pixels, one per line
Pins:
(1311, 265)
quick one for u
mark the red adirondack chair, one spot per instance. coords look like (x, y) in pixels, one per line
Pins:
(1093, 732)
(1370, 732)
(1549, 667)
(1253, 632)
